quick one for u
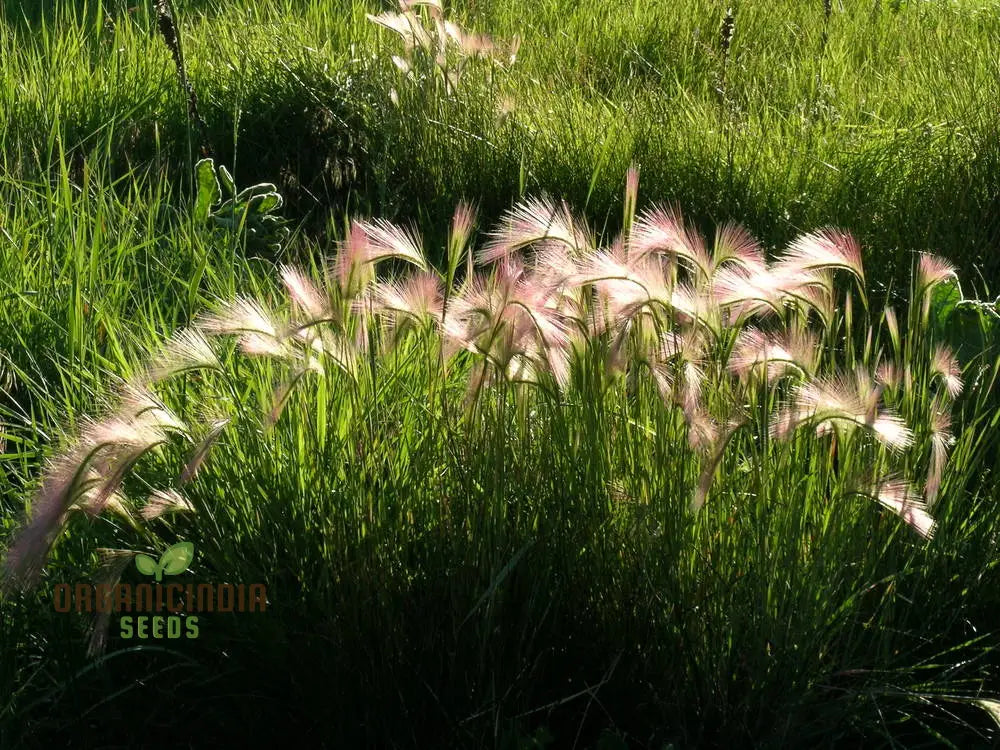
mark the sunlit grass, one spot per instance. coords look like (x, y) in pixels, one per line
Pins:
(697, 486)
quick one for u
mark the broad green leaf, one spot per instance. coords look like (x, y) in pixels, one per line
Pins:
(177, 558)
(146, 565)
(972, 328)
(227, 180)
(261, 188)
(263, 204)
(945, 296)
(209, 191)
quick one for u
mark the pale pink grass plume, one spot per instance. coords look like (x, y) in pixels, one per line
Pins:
(417, 296)
(202, 449)
(794, 352)
(305, 294)
(941, 439)
(734, 244)
(162, 502)
(932, 269)
(899, 497)
(463, 221)
(661, 231)
(388, 240)
(846, 400)
(945, 365)
(825, 249)
(186, 350)
(532, 221)
(260, 333)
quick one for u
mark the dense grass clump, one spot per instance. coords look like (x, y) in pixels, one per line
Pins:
(660, 489)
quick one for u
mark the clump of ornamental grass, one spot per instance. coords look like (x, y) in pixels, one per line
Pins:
(799, 429)
(732, 342)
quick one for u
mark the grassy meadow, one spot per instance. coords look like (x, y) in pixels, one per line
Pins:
(571, 374)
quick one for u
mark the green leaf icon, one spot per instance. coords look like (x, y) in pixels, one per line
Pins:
(146, 565)
(177, 558)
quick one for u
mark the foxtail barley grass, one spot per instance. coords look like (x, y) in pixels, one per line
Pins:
(752, 486)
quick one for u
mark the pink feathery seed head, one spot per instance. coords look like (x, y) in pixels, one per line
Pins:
(509, 271)
(61, 481)
(853, 399)
(898, 496)
(703, 432)
(754, 349)
(463, 221)
(752, 292)
(631, 194)
(240, 315)
(785, 421)
(826, 249)
(335, 348)
(186, 350)
(661, 231)
(557, 270)
(690, 306)
(25, 557)
(892, 325)
(734, 244)
(388, 240)
(691, 383)
(933, 269)
(402, 63)
(113, 473)
(513, 48)
(141, 406)
(663, 376)
(868, 390)
(262, 345)
(941, 424)
(473, 44)
(941, 439)
(892, 431)
(946, 366)
(349, 268)
(632, 184)
(815, 297)
(711, 463)
(115, 433)
(405, 25)
(557, 358)
(454, 32)
(200, 453)
(531, 221)
(418, 296)
(611, 275)
(888, 374)
(99, 492)
(166, 501)
(834, 394)
(304, 293)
